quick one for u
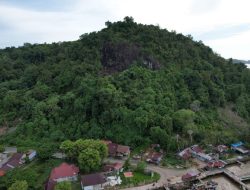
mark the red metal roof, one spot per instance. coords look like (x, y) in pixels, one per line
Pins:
(2, 173)
(197, 149)
(64, 170)
(216, 164)
(128, 174)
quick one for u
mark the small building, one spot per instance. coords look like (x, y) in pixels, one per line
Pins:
(10, 150)
(190, 176)
(185, 154)
(2, 173)
(122, 150)
(221, 148)
(128, 174)
(59, 155)
(203, 157)
(239, 147)
(154, 157)
(216, 164)
(64, 172)
(31, 154)
(196, 149)
(114, 167)
(117, 149)
(95, 181)
(14, 161)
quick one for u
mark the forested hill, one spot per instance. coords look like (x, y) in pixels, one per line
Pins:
(130, 83)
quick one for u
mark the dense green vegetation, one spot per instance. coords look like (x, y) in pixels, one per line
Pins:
(35, 174)
(88, 153)
(130, 83)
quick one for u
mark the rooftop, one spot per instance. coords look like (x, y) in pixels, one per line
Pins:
(93, 179)
(64, 170)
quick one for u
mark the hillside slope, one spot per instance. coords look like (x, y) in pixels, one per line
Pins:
(129, 82)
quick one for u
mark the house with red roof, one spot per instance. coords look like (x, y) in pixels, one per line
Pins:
(117, 149)
(185, 154)
(216, 164)
(64, 172)
(190, 176)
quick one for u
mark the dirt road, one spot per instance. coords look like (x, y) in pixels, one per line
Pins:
(164, 172)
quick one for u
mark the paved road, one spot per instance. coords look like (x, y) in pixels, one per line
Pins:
(165, 174)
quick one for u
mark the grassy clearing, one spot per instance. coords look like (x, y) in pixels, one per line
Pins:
(171, 160)
(139, 179)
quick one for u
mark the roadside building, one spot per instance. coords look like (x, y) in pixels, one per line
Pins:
(64, 172)
(95, 181)
(221, 148)
(113, 168)
(154, 157)
(117, 150)
(185, 154)
(122, 150)
(239, 147)
(216, 164)
(190, 176)
(31, 154)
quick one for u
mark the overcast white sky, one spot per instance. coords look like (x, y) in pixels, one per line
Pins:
(224, 25)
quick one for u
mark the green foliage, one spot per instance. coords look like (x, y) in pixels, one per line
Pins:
(128, 83)
(45, 152)
(182, 118)
(89, 160)
(141, 166)
(1, 148)
(89, 153)
(19, 185)
(65, 185)
(127, 164)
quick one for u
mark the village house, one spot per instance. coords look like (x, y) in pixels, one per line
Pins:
(31, 154)
(154, 157)
(122, 150)
(13, 162)
(194, 151)
(198, 153)
(239, 147)
(221, 148)
(113, 168)
(216, 164)
(117, 150)
(64, 172)
(190, 176)
(95, 181)
(185, 154)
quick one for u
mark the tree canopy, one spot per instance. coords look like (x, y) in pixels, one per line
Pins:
(127, 83)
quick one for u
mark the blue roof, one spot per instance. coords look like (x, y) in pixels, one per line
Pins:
(237, 144)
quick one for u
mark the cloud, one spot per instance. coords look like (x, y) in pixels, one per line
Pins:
(215, 22)
(224, 32)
